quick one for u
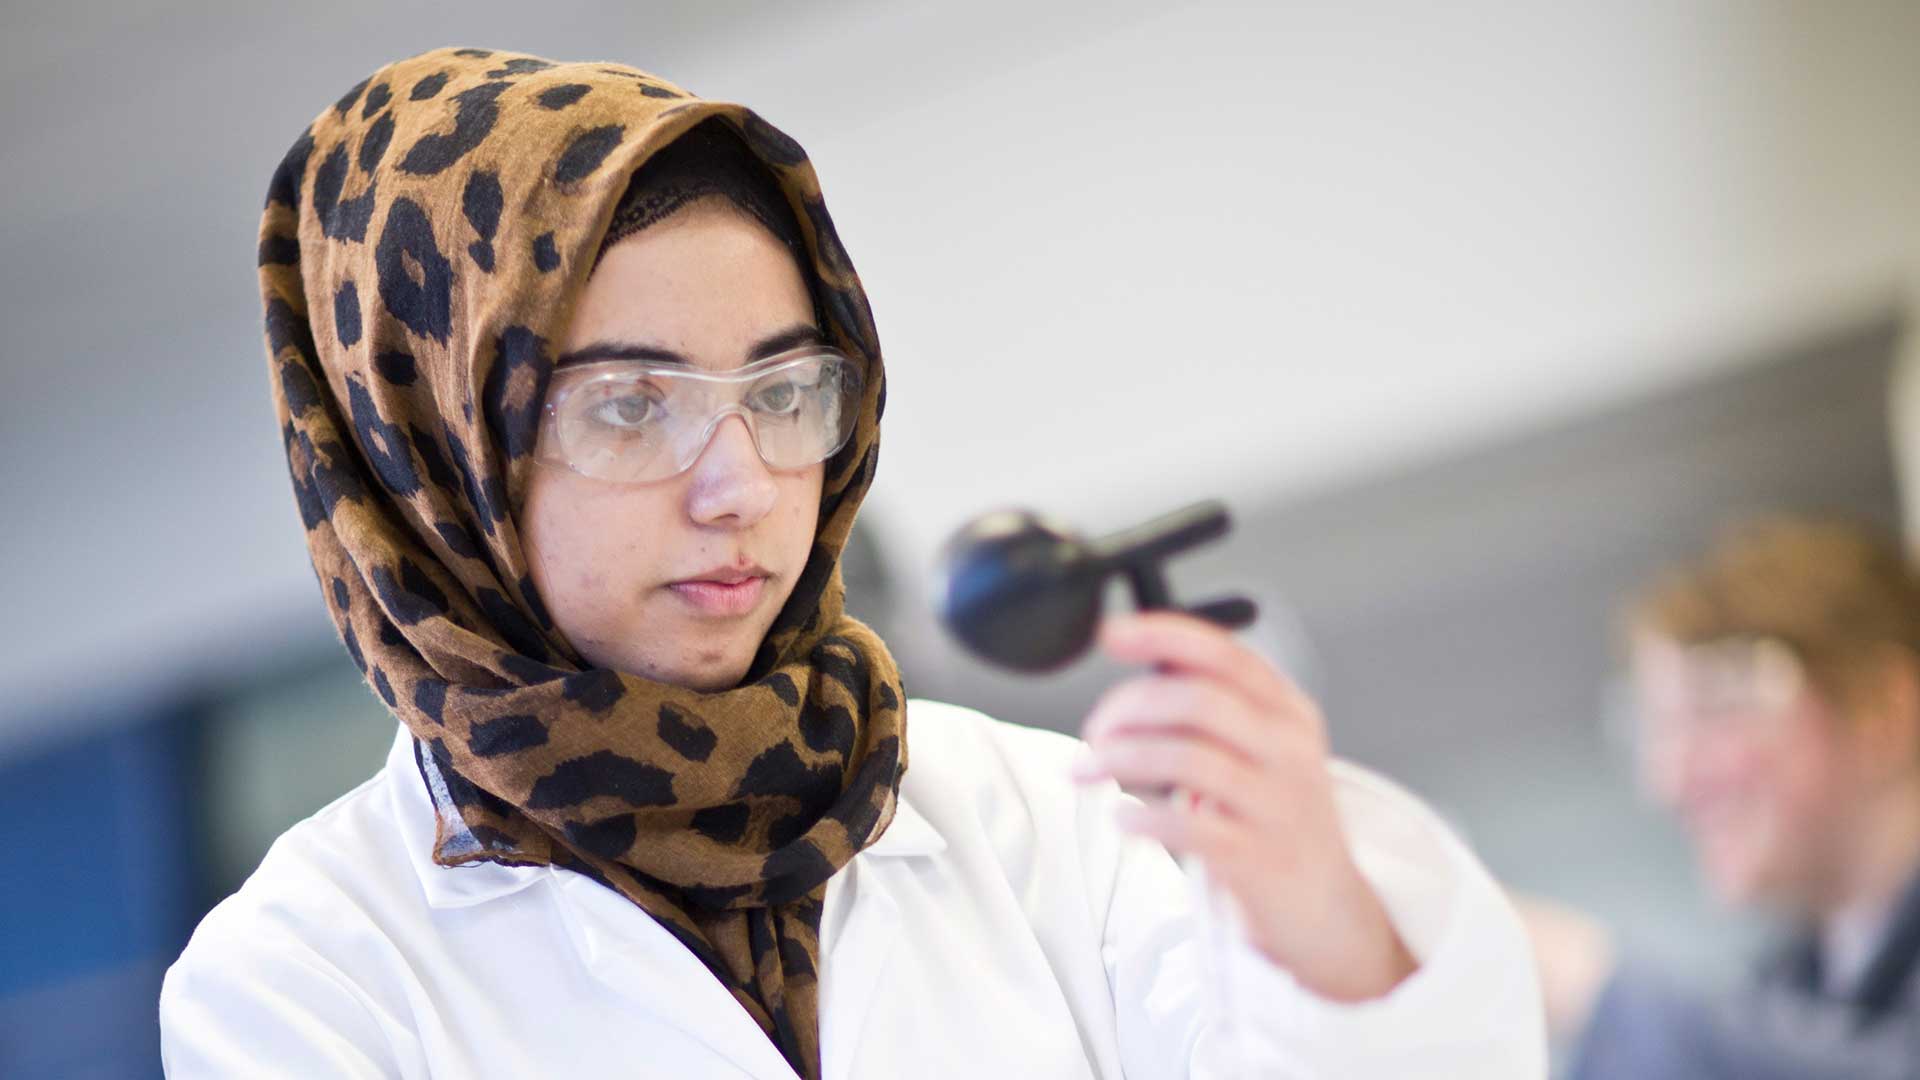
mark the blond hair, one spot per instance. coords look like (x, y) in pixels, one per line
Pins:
(1836, 593)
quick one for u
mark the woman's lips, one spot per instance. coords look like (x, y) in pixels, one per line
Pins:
(720, 597)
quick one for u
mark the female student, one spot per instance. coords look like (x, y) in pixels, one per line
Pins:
(580, 394)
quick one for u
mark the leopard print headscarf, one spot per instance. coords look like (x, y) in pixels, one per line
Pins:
(422, 248)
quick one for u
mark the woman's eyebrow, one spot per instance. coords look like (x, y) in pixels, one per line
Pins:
(791, 338)
(619, 350)
(610, 349)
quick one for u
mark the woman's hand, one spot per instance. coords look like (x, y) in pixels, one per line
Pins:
(1217, 721)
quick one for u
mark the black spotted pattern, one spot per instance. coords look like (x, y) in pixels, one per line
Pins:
(384, 688)
(428, 86)
(516, 386)
(792, 871)
(723, 824)
(559, 97)
(279, 251)
(285, 187)
(373, 145)
(346, 313)
(585, 153)
(546, 257)
(597, 689)
(337, 475)
(529, 672)
(828, 730)
(428, 451)
(782, 686)
(352, 95)
(377, 99)
(411, 599)
(396, 367)
(714, 897)
(691, 740)
(506, 735)
(519, 65)
(386, 446)
(476, 111)
(480, 495)
(481, 202)
(859, 816)
(458, 539)
(341, 218)
(608, 839)
(352, 641)
(430, 697)
(306, 495)
(771, 143)
(778, 770)
(531, 596)
(424, 304)
(515, 627)
(602, 772)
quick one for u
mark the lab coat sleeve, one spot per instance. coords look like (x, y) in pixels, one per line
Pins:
(1194, 998)
(243, 1002)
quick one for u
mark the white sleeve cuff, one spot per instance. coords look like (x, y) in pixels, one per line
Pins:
(1471, 1009)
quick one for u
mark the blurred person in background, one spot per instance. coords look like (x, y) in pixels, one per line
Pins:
(648, 808)
(1777, 690)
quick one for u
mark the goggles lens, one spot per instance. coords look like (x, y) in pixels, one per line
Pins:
(631, 422)
(1736, 685)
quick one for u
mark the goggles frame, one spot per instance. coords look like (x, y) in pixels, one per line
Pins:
(550, 444)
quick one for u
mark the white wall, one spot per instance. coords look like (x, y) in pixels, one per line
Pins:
(1120, 255)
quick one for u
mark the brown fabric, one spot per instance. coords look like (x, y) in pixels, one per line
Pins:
(422, 248)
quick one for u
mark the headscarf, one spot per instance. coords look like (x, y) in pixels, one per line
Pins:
(423, 246)
(707, 160)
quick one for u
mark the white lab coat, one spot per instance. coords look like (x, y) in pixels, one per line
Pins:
(1001, 926)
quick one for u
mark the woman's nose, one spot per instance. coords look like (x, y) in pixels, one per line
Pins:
(731, 485)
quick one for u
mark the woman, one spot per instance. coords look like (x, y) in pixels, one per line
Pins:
(580, 394)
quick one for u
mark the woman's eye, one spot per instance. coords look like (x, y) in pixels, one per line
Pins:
(777, 398)
(629, 410)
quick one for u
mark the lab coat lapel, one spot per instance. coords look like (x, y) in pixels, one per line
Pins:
(861, 925)
(640, 960)
(854, 965)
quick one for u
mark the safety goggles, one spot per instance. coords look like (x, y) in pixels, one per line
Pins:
(636, 421)
(1733, 686)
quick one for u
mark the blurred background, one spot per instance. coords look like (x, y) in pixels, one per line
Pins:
(1475, 314)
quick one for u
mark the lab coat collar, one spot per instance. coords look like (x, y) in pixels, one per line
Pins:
(444, 886)
(910, 833)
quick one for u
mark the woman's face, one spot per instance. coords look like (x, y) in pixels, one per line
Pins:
(636, 575)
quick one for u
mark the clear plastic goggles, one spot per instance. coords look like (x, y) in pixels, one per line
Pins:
(1737, 685)
(635, 421)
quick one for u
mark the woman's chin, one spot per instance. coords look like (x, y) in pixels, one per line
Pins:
(695, 666)
(707, 665)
